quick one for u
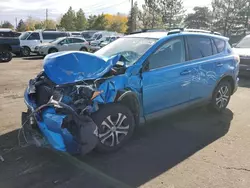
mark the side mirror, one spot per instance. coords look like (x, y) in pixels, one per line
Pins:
(145, 67)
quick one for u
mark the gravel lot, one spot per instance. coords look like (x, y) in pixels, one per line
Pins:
(188, 150)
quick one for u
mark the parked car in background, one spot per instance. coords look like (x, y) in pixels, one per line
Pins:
(108, 40)
(243, 50)
(30, 39)
(75, 34)
(9, 43)
(62, 44)
(100, 37)
(98, 99)
(88, 35)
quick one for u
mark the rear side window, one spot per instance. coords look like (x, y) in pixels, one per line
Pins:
(53, 36)
(220, 45)
(8, 34)
(99, 37)
(75, 40)
(34, 36)
(199, 47)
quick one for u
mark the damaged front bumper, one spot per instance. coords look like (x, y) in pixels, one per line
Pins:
(48, 123)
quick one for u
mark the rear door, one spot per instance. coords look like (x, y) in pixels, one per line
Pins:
(77, 44)
(166, 80)
(203, 66)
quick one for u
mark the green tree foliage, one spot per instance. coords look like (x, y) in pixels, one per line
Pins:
(49, 24)
(68, 20)
(81, 21)
(153, 9)
(144, 18)
(230, 16)
(39, 25)
(98, 22)
(21, 26)
(200, 19)
(7, 24)
(172, 12)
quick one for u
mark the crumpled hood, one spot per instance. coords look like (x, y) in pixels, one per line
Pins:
(242, 51)
(70, 67)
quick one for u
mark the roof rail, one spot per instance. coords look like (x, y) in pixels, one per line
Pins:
(148, 30)
(192, 30)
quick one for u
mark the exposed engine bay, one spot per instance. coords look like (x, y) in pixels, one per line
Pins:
(63, 111)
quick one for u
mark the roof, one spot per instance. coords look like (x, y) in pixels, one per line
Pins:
(159, 35)
(156, 35)
(5, 29)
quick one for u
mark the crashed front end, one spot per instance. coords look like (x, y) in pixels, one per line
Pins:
(61, 99)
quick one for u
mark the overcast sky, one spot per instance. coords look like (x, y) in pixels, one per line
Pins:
(21, 9)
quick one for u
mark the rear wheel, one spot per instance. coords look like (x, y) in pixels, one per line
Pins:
(115, 124)
(221, 96)
(25, 51)
(84, 49)
(5, 56)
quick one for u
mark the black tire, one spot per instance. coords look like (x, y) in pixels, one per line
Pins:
(107, 133)
(26, 51)
(5, 56)
(83, 49)
(221, 96)
(52, 50)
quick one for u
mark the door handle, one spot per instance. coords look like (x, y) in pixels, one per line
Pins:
(185, 72)
(219, 65)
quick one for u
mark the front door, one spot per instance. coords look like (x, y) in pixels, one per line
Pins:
(63, 45)
(166, 80)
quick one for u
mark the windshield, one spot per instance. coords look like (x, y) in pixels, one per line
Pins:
(96, 35)
(244, 43)
(24, 36)
(131, 48)
(107, 39)
(88, 35)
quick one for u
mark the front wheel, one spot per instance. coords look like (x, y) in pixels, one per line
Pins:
(115, 124)
(221, 96)
(25, 51)
(5, 56)
(52, 50)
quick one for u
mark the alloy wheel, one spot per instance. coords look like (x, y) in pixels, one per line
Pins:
(113, 130)
(26, 51)
(222, 97)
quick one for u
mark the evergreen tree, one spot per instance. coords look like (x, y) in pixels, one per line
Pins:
(81, 21)
(21, 26)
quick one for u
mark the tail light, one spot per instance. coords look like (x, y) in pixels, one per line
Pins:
(237, 58)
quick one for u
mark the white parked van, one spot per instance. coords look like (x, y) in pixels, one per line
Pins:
(30, 39)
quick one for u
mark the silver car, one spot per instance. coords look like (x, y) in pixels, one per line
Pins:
(62, 44)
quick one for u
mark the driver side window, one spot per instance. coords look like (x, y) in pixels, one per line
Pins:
(172, 52)
(65, 41)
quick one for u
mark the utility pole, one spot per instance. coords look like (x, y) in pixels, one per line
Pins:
(247, 17)
(132, 16)
(46, 22)
(16, 22)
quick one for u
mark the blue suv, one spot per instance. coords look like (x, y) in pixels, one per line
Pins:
(81, 101)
